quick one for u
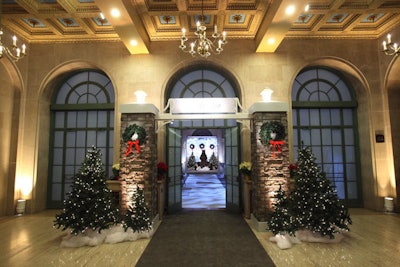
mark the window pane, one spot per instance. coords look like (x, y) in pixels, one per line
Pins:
(304, 117)
(316, 137)
(314, 117)
(347, 117)
(71, 119)
(326, 136)
(325, 116)
(59, 120)
(92, 119)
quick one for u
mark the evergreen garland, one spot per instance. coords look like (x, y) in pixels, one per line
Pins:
(137, 216)
(90, 204)
(272, 127)
(134, 128)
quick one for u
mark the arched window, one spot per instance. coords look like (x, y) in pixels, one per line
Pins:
(324, 118)
(203, 82)
(82, 115)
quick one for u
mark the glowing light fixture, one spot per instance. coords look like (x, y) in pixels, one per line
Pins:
(271, 40)
(14, 53)
(390, 48)
(203, 46)
(266, 94)
(290, 10)
(115, 13)
(133, 42)
(140, 96)
(388, 204)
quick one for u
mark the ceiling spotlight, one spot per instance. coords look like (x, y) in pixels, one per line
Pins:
(290, 10)
(115, 13)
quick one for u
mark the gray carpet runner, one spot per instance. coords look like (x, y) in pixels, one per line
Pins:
(204, 238)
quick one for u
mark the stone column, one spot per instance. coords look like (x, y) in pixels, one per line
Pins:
(139, 168)
(270, 168)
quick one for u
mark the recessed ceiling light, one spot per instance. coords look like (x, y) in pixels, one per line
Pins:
(115, 13)
(133, 42)
(271, 41)
(290, 10)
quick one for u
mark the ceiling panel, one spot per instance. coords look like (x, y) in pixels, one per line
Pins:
(41, 21)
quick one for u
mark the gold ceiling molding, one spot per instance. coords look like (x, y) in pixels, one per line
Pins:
(160, 21)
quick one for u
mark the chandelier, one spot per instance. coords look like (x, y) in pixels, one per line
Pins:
(203, 46)
(390, 48)
(14, 53)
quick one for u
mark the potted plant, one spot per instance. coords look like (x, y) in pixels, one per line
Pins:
(115, 171)
(162, 169)
(245, 169)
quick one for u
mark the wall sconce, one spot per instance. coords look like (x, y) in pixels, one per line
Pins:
(21, 204)
(388, 204)
(266, 94)
(140, 96)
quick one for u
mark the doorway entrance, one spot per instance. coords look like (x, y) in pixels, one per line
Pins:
(203, 169)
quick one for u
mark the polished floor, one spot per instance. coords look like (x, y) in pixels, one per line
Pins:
(203, 191)
(31, 240)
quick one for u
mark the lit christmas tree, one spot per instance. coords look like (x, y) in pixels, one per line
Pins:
(137, 216)
(90, 203)
(314, 202)
(213, 165)
(192, 162)
(281, 220)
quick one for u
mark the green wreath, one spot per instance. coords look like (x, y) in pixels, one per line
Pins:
(272, 127)
(131, 130)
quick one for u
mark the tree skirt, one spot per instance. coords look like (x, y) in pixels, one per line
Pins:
(285, 241)
(115, 234)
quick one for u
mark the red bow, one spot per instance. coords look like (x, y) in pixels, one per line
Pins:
(130, 144)
(276, 145)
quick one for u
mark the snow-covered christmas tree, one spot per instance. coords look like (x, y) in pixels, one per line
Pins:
(137, 216)
(315, 203)
(90, 205)
(213, 165)
(191, 164)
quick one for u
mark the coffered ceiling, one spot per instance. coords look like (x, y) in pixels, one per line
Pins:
(147, 21)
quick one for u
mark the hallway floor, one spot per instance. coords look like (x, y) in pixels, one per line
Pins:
(203, 191)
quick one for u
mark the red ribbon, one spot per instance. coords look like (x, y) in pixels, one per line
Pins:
(130, 144)
(276, 145)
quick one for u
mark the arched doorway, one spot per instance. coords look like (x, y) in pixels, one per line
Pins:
(214, 143)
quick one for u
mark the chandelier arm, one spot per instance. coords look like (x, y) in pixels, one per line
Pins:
(203, 46)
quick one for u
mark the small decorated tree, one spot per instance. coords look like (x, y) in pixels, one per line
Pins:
(90, 204)
(137, 216)
(281, 220)
(213, 165)
(191, 164)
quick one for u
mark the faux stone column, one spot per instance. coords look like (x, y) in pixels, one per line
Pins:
(270, 168)
(139, 168)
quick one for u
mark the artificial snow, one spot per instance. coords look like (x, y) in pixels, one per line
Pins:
(285, 241)
(115, 234)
